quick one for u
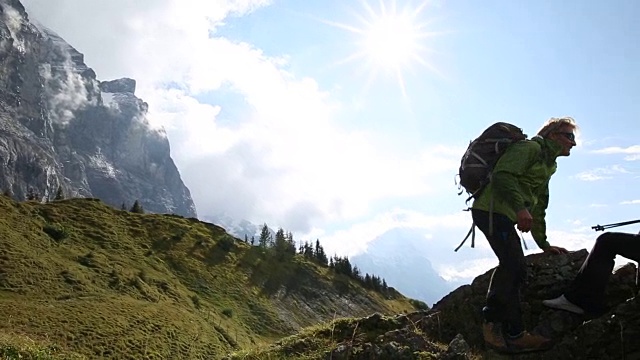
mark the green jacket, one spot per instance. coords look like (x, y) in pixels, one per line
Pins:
(520, 180)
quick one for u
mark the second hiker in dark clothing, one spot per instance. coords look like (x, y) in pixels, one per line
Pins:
(517, 196)
(586, 293)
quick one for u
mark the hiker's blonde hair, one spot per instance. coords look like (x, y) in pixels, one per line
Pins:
(553, 124)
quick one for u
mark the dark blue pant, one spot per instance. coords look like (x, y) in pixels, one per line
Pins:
(503, 296)
(587, 289)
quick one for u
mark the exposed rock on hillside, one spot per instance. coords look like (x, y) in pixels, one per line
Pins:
(60, 127)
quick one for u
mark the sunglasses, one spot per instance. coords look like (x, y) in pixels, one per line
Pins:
(569, 135)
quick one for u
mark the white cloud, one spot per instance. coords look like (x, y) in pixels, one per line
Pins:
(149, 40)
(579, 238)
(598, 205)
(591, 176)
(630, 202)
(604, 173)
(67, 91)
(466, 271)
(14, 22)
(632, 152)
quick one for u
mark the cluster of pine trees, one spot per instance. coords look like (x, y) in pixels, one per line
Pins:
(283, 246)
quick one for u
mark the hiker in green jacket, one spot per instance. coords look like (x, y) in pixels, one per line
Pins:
(517, 196)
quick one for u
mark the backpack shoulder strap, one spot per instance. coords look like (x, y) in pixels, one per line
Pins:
(472, 233)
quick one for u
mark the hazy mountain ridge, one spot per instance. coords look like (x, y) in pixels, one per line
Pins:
(400, 257)
(237, 228)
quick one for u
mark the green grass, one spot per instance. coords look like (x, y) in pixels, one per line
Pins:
(355, 334)
(80, 277)
(23, 348)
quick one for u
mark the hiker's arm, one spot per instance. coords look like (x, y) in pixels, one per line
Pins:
(515, 162)
(539, 227)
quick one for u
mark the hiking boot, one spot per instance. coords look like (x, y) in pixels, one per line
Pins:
(493, 338)
(528, 342)
(562, 303)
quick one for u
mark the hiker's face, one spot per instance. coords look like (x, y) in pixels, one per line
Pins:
(565, 136)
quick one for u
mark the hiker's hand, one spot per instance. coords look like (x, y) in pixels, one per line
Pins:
(555, 250)
(525, 220)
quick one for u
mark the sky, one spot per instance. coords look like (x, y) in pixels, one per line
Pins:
(340, 120)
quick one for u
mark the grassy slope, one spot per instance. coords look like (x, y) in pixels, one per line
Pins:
(77, 276)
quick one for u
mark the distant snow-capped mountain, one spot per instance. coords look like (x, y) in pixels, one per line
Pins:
(400, 256)
(235, 227)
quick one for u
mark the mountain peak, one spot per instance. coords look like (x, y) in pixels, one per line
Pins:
(123, 85)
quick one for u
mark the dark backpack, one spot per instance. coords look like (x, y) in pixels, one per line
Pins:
(483, 153)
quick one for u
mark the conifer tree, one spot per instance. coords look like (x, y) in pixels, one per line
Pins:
(280, 241)
(291, 244)
(137, 208)
(59, 194)
(265, 236)
(32, 194)
(367, 280)
(356, 273)
(319, 254)
(308, 251)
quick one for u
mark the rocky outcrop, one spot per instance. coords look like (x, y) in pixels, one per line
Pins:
(61, 128)
(610, 336)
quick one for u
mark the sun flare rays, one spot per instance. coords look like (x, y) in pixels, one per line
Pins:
(389, 40)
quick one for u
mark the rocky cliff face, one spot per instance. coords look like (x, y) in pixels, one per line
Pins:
(60, 127)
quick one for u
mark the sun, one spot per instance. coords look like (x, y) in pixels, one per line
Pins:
(389, 40)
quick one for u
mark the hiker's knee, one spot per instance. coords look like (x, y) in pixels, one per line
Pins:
(605, 244)
(516, 270)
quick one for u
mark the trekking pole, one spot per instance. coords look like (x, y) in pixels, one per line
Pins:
(608, 226)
